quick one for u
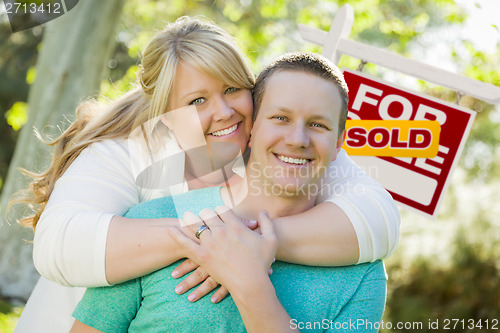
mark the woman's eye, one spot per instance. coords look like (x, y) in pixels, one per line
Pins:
(197, 101)
(282, 118)
(231, 90)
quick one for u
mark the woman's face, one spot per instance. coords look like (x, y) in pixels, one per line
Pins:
(224, 112)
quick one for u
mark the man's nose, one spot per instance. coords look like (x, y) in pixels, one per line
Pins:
(297, 137)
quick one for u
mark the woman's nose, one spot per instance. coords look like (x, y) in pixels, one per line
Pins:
(222, 110)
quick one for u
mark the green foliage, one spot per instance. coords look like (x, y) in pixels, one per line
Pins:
(17, 115)
(9, 316)
(466, 287)
(31, 75)
(111, 90)
(8, 321)
(395, 23)
(481, 156)
(482, 66)
(19, 52)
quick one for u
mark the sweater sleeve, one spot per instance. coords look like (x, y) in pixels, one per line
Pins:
(70, 237)
(370, 208)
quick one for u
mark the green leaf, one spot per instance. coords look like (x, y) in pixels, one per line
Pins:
(17, 115)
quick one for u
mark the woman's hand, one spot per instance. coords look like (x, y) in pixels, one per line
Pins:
(232, 254)
(200, 276)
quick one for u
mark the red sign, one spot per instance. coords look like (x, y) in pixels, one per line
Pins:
(418, 183)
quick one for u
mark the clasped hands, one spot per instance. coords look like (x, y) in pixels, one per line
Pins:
(231, 252)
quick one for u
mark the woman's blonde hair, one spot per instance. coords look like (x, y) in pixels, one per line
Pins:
(197, 42)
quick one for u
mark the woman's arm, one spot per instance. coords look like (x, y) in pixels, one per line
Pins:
(260, 308)
(358, 223)
(81, 240)
(136, 247)
(326, 239)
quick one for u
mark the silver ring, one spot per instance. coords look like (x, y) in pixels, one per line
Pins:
(200, 230)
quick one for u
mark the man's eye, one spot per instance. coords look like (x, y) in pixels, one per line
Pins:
(319, 126)
(197, 101)
(231, 90)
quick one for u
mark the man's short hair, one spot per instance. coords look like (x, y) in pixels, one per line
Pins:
(307, 62)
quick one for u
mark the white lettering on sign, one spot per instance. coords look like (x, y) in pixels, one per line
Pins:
(423, 111)
(422, 162)
(388, 100)
(362, 98)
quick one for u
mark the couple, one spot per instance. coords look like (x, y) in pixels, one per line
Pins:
(300, 108)
(82, 238)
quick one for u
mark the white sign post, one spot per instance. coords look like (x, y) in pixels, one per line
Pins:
(336, 43)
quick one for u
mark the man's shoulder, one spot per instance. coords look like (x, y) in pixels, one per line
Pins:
(175, 206)
(155, 208)
(375, 268)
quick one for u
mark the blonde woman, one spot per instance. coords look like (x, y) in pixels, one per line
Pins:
(81, 238)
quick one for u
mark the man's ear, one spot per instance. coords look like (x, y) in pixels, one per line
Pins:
(340, 143)
(250, 139)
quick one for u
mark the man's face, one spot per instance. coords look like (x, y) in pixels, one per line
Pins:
(295, 134)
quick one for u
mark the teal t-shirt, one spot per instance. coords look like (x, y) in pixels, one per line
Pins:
(318, 299)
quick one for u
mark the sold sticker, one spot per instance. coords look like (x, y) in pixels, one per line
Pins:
(397, 138)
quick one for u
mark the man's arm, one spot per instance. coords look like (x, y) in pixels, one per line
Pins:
(79, 327)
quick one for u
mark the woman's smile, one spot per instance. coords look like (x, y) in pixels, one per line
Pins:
(225, 131)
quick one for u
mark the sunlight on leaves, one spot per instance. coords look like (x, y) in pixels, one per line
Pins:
(17, 116)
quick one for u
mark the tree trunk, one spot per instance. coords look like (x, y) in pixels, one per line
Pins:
(70, 67)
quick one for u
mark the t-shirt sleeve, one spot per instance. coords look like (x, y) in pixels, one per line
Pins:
(110, 309)
(364, 310)
(369, 207)
(70, 237)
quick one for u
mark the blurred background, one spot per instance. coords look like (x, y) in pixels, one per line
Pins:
(447, 268)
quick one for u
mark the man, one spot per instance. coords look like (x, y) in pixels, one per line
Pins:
(300, 104)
